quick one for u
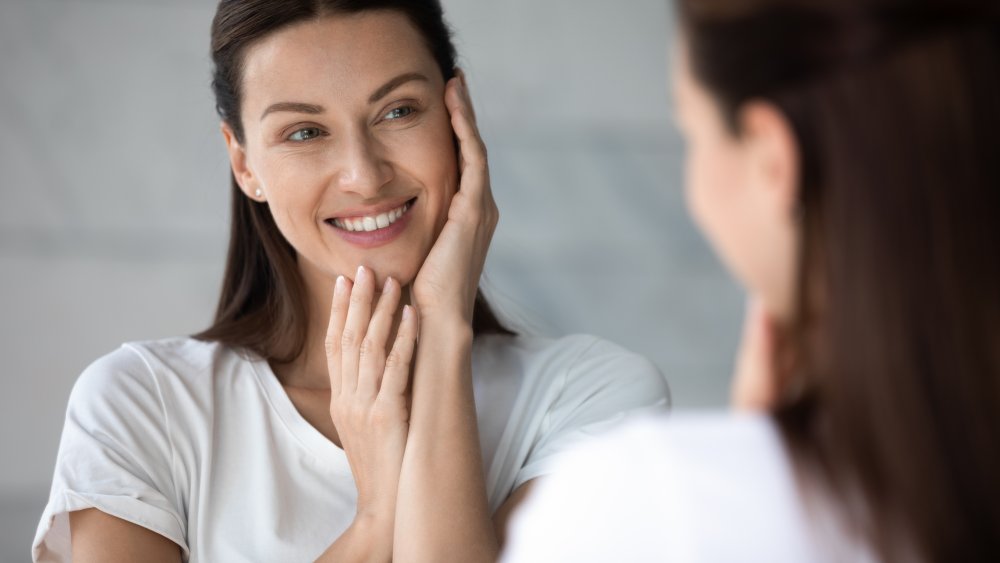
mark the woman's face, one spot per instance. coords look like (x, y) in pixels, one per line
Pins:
(741, 189)
(348, 140)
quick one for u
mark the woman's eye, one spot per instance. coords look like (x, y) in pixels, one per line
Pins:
(398, 113)
(305, 134)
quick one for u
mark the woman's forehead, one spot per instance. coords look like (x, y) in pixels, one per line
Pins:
(345, 55)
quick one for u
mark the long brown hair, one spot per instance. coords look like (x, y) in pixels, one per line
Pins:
(262, 307)
(896, 346)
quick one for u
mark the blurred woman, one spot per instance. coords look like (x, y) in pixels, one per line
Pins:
(843, 161)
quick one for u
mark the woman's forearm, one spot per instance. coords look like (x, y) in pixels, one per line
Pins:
(442, 513)
(366, 540)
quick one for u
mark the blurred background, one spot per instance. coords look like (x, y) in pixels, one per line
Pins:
(114, 197)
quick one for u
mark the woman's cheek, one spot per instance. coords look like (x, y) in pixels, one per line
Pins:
(695, 190)
(710, 200)
(294, 189)
(434, 148)
(300, 173)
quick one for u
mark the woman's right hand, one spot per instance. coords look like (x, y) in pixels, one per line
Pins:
(369, 404)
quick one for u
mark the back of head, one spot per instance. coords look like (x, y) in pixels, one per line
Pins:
(896, 108)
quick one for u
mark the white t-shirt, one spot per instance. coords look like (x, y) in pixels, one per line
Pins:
(200, 443)
(693, 488)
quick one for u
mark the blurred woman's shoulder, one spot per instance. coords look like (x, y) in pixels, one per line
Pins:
(685, 487)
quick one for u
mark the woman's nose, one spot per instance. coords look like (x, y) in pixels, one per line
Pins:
(363, 168)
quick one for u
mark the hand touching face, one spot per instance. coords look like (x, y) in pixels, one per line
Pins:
(348, 140)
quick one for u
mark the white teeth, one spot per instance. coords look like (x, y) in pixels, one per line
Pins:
(372, 223)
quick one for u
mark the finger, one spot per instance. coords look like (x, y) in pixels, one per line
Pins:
(372, 358)
(397, 364)
(475, 197)
(355, 327)
(754, 383)
(335, 330)
(473, 151)
(464, 91)
(474, 200)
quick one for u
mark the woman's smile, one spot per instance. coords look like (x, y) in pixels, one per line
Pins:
(374, 226)
(366, 167)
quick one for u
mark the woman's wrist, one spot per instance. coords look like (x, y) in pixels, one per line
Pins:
(445, 327)
(444, 358)
(367, 539)
(373, 533)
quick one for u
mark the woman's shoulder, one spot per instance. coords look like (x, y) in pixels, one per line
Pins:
(574, 360)
(670, 488)
(682, 447)
(151, 368)
(135, 359)
(572, 381)
(547, 347)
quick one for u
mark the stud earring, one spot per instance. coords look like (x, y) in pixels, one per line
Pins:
(259, 193)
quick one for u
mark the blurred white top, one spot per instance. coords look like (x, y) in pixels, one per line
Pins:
(200, 444)
(692, 488)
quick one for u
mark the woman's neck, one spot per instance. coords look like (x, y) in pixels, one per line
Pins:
(309, 370)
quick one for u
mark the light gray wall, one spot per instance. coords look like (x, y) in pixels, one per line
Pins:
(113, 187)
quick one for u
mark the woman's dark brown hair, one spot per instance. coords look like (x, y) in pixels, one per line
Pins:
(262, 307)
(896, 108)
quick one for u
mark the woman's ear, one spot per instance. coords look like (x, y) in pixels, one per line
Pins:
(244, 175)
(772, 157)
(769, 181)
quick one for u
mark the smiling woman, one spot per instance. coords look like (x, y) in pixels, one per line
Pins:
(308, 422)
(295, 141)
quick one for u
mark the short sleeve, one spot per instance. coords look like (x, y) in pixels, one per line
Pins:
(603, 386)
(115, 455)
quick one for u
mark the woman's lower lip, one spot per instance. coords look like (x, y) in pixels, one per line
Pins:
(378, 237)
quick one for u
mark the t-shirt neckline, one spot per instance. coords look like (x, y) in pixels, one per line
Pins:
(306, 434)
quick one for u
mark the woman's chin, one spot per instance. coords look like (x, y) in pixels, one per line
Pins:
(402, 275)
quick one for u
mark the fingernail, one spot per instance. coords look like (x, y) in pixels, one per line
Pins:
(360, 272)
(341, 285)
(407, 312)
(388, 282)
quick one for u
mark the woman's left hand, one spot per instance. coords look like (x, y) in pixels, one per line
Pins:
(446, 285)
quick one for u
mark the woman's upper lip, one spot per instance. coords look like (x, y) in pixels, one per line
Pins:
(372, 210)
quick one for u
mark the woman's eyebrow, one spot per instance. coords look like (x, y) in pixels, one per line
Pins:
(313, 109)
(297, 107)
(395, 83)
